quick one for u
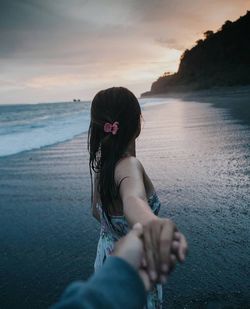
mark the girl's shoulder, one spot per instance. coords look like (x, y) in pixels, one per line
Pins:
(129, 166)
(129, 163)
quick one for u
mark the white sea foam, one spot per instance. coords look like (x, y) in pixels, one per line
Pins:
(28, 127)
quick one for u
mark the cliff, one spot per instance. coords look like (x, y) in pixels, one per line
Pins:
(220, 59)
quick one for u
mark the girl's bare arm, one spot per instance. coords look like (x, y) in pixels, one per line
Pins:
(158, 233)
(129, 172)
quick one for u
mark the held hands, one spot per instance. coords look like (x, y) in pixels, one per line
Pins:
(164, 245)
(130, 248)
(153, 250)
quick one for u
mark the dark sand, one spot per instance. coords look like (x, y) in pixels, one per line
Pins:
(198, 158)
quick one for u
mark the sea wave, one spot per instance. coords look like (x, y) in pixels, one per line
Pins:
(27, 127)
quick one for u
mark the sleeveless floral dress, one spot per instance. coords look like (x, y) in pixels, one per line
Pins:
(108, 237)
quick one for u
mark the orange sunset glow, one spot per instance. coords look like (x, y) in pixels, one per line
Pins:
(59, 50)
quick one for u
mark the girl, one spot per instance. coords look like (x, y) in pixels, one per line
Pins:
(122, 192)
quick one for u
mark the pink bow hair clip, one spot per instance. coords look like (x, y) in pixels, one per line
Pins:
(113, 128)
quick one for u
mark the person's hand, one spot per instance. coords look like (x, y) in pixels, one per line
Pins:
(164, 245)
(130, 248)
(156, 247)
(179, 246)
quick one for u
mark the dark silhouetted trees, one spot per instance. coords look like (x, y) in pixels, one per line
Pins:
(221, 59)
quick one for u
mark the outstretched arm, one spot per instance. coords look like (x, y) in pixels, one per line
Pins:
(117, 283)
(162, 249)
(129, 174)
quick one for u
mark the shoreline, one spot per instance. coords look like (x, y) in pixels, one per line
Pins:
(235, 99)
(237, 90)
(229, 101)
(25, 152)
(227, 98)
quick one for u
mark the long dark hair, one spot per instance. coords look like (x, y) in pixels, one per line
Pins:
(105, 149)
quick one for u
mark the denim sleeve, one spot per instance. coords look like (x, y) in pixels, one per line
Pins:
(115, 285)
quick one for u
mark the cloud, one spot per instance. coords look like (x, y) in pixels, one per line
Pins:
(61, 29)
(94, 43)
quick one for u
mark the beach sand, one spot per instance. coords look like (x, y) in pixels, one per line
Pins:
(198, 159)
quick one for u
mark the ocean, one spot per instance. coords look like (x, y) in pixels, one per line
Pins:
(31, 126)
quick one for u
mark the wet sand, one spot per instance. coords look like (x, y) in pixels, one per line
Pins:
(198, 159)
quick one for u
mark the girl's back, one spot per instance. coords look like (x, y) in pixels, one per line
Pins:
(122, 193)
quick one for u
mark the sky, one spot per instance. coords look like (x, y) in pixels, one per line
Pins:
(58, 50)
